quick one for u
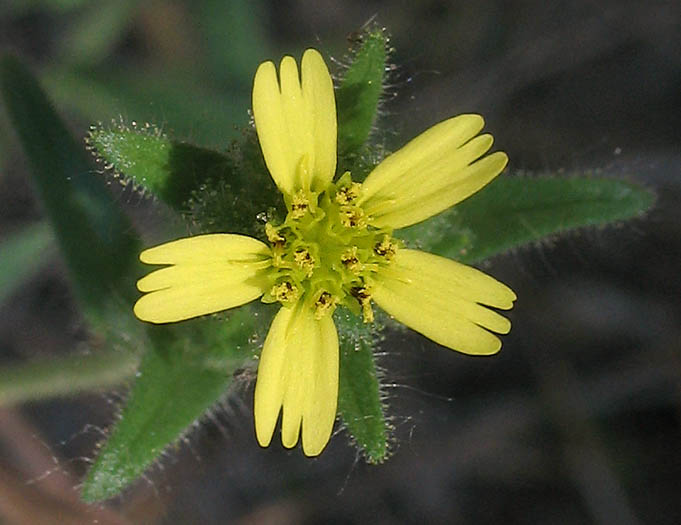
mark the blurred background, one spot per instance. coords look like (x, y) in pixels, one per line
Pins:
(577, 420)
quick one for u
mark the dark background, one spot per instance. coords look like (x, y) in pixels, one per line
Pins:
(577, 420)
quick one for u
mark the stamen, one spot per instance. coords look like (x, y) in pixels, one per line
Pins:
(347, 194)
(352, 217)
(299, 205)
(351, 261)
(324, 304)
(304, 261)
(364, 298)
(273, 235)
(385, 248)
(285, 292)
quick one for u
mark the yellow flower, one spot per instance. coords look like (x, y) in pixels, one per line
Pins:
(335, 247)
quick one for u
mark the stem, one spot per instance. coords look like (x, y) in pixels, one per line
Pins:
(65, 376)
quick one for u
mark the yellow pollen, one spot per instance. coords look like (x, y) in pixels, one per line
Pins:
(385, 248)
(351, 261)
(347, 194)
(324, 304)
(304, 260)
(352, 217)
(273, 235)
(364, 298)
(285, 292)
(299, 205)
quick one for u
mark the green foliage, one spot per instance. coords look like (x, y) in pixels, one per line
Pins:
(240, 200)
(21, 255)
(515, 211)
(65, 376)
(189, 369)
(218, 192)
(167, 169)
(94, 235)
(359, 395)
(359, 94)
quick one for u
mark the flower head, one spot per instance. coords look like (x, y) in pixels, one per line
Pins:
(335, 247)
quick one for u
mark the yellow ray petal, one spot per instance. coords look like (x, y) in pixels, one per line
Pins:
(271, 383)
(431, 173)
(321, 106)
(298, 373)
(442, 300)
(320, 406)
(272, 128)
(207, 248)
(468, 181)
(209, 273)
(296, 124)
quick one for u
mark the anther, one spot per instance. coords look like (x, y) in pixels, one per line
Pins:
(324, 304)
(304, 261)
(385, 248)
(285, 292)
(352, 217)
(273, 235)
(347, 194)
(351, 261)
(364, 298)
(299, 205)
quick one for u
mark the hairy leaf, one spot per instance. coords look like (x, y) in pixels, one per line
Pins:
(165, 168)
(189, 369)
(359, 396)
(359, 93)
(514, 211)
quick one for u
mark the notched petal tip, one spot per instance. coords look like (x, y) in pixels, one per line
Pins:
(264, 436)
(314, 448)
(502, 159)
(313, 60)
(265, 74)
(507, 298)
(490, 349)
(473, 121)
(146, 309)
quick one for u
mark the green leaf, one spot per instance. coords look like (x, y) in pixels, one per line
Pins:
(21, 255)
(188, 370)
(359, 395)
(167, 169)
(358, 95)
(243, 197)
(514, 211)
(221, 193)
(63, 376)
(95, 237)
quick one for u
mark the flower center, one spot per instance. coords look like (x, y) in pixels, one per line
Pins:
(325, 253)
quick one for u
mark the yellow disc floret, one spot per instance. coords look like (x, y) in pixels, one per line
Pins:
(326, 253)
